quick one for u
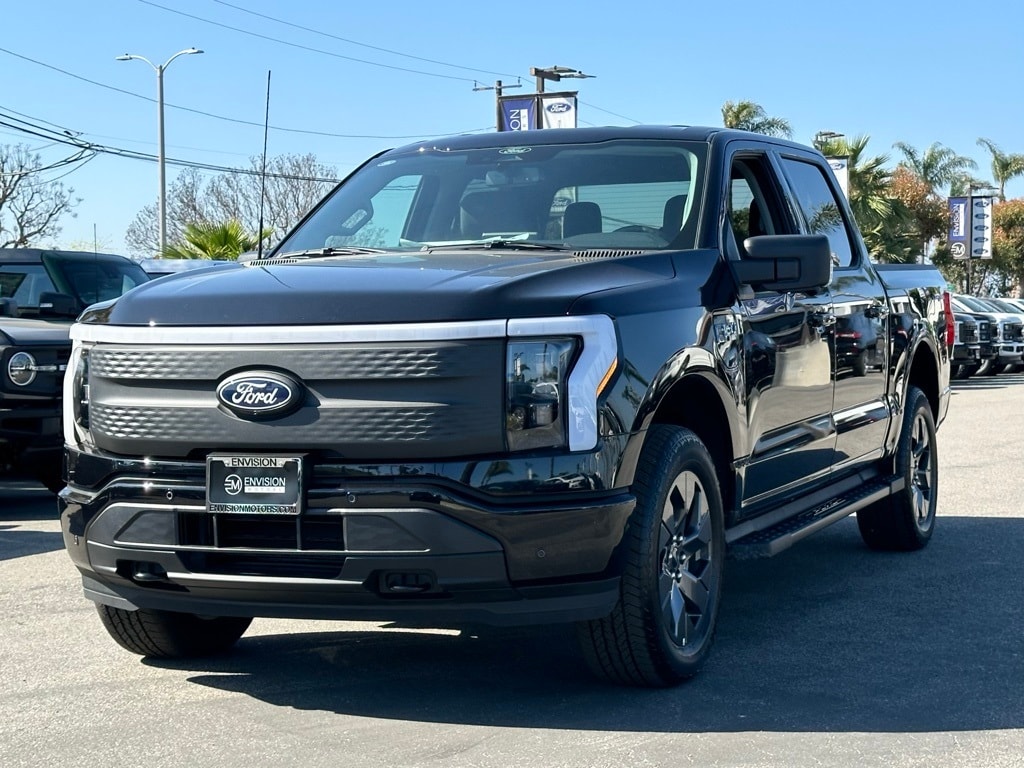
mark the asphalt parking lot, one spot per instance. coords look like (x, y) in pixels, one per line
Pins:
(828, 654)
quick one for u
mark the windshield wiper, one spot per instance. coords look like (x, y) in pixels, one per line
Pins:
(312, 253)
(507, 245)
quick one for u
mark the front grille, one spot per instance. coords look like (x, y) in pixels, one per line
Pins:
(363, 401)
(968, 334)
(302, 533)
(253, 564)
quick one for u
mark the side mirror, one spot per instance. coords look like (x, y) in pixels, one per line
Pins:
(57, 305)
(8, 308)
(786, 262)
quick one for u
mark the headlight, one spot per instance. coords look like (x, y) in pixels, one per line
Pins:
(76, 396)
(536, 374)
(21, 369)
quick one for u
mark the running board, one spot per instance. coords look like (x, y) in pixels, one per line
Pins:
(771, 540)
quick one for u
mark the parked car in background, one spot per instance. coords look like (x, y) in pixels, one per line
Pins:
(1007, 336)
(41, 293)
(966, 359)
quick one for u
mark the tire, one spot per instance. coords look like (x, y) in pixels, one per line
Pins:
(662, 628)
(961, 372)
(860, 364)
(905, 521)
(991, 368)
(53, 479)
(169, 635)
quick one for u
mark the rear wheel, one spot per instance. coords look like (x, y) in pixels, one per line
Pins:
(905, 520)
(170, 635)
(663, 626)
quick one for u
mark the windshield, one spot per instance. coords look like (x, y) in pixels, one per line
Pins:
(610, 194)
(91, 281)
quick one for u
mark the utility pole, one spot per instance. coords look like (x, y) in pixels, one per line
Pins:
(498, 89)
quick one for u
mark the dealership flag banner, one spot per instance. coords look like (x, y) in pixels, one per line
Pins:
(518, 113)
(981, 227)
(841, 168)
(959, 228)
(558, 110)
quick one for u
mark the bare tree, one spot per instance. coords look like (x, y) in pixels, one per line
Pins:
(294, 184)
(30, 207)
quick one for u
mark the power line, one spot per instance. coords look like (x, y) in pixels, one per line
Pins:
(304, 47)
(211, 114)
(74, 141)
(356, 42)
(609, 112)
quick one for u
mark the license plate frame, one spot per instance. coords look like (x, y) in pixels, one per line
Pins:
(254, 484)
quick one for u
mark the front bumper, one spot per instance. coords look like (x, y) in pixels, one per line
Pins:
(419, 550)
(1011, 352)
(29, 429)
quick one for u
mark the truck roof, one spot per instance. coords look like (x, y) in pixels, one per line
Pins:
(35, 255)
(581, 135)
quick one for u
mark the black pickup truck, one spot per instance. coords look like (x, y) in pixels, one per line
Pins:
(41, 293)
(516, 378)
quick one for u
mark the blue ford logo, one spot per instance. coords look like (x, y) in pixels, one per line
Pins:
(558, 107)
(260, 394)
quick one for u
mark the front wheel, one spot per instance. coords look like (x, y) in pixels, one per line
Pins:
(170, 635)
(662, 628)
(905, 520)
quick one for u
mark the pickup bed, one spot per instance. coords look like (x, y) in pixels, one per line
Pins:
(544, 377)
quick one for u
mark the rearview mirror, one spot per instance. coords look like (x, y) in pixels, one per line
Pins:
(786, 262)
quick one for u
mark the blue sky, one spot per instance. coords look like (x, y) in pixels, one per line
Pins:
(912, 72)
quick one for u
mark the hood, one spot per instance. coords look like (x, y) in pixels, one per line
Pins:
(24, 332)
(383, 288)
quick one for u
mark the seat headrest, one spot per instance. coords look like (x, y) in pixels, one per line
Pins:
(497, 212)
(581, 218)
(672, 219)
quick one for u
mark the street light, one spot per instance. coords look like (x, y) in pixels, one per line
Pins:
(822, 137)
(159, 69)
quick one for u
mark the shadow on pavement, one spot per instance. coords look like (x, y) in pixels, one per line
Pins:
(26, 500)
(826, 637)
(17, 542)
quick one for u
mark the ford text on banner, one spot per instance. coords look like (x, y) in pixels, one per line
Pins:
(959, 228)
(558, 111)
(518, 113)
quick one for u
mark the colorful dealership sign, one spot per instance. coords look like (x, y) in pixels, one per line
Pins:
(539, 110)
(518, 113)
(959, 226)
(970, 227)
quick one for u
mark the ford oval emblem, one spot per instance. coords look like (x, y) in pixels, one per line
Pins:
(260, 394)
(558, 107)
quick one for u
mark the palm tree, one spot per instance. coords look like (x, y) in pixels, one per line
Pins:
(883, 220)
(1004, 166)
(748, 116)
(209, 240)
(937, 166)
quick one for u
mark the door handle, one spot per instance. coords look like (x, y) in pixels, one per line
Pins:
(877, 312)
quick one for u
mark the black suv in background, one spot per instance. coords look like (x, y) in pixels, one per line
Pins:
(41, 293)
